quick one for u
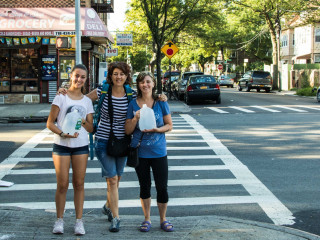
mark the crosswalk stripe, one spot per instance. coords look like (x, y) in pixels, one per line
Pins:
(190, 201)
(242, 109)
(289, 108)
(124, 184)
(217, 110)
(313, 108)
(127, 169)
(266, 109)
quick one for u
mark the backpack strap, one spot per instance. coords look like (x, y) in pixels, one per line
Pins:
(128, 90)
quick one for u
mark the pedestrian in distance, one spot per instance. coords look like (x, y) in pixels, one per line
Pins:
(112, 168)
(71, 148)
(152, 150)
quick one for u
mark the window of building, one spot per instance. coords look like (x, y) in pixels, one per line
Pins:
(19, 70)
(284, 41)
(317, 35)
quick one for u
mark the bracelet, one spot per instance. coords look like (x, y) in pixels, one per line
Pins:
(60, 134)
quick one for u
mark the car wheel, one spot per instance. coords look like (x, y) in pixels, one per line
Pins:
(218, 101)
(247, 88)
(239, 88)
(187, 99)
(231, 86)
(258, 89)
(267, 90)
(318, 96)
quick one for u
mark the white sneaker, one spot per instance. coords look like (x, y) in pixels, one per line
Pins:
(79, 228)
(58, 226)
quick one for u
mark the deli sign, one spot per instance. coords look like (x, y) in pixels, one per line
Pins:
(112, 52)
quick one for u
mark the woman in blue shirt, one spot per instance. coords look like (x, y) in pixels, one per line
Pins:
(152, 149)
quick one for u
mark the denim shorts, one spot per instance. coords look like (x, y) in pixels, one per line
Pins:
(67, 151)
(110, 166)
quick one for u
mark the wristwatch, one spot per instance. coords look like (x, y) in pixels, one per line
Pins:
(61, 134)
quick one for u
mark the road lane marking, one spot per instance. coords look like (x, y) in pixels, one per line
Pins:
(270, 204)
(21, 152)
(313, 108)
(217, 110)
(266, 109)
(242, 109)
(290, 108)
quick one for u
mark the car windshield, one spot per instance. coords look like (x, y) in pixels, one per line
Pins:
(166, 75)
(187, 75)
(203, 79)
(261, 74)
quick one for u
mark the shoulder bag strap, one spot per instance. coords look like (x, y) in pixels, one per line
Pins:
(110, 108)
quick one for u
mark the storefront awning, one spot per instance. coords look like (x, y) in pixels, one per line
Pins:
(50, 22)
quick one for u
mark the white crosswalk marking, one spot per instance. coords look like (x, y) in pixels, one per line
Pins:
(179, 139)
(313, 108)
(290, 108)
(242, 109)
(217, 110)
(266, 109)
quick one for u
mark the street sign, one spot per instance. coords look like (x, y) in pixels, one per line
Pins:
(170, 49)
(124, 39)
(220, 66)
(111, 52)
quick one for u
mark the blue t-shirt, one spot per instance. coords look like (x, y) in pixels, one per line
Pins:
(153, 145)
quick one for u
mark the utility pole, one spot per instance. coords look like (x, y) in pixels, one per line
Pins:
(78, 32)
(278, 29)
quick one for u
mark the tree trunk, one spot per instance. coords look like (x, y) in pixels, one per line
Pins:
(158, 60)
(274, 60)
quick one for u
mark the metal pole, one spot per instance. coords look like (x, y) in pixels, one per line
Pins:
(78, 32)
(169, 83)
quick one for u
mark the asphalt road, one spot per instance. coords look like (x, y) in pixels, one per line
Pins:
(260, 165)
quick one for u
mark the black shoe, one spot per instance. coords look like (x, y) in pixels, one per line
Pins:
(107, 211)
(115, 225)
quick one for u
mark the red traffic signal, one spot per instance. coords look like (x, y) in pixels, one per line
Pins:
(62, 42)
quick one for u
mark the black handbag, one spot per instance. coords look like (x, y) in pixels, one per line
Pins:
(116, 147)
(133, 156)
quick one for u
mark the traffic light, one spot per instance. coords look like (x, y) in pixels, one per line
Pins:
(62, 42)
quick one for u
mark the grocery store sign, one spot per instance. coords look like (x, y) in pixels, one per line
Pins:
(112, 52)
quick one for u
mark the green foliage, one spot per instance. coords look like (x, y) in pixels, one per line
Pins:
(306, 92)
(305, 80)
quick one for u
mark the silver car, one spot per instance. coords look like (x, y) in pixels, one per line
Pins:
(225, 81)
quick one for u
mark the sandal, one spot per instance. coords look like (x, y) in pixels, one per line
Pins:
(166, 226)
(145, 226)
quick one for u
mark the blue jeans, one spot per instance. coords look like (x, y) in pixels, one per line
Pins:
(110, 166)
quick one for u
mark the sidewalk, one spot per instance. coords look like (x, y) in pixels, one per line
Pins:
(14, 113)
(17, 223)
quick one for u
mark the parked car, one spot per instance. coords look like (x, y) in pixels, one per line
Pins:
(202, 87)
(181, 83)
(255, 80)
(318, 93)
(224, 80)
(166, 78)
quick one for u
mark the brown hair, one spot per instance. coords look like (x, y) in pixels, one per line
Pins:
(140, 78)
(83, 67)
(124, 67)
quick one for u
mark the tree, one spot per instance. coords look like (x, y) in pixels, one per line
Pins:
(165, 20)
(271, 11)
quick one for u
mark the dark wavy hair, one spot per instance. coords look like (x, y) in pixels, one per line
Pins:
(124, 67)
(82, 67)
(140, 78)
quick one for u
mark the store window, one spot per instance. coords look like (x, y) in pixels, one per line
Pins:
(66, 65)
(4, 70)
(24, 70)
(19, 70)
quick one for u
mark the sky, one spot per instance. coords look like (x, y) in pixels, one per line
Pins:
(116, 20)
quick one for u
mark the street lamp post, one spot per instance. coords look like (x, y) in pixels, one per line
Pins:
(78, 32)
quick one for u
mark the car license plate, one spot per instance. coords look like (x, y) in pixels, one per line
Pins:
(203, 87)
(261, 85)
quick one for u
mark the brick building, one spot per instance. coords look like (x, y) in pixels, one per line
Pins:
(37, 46)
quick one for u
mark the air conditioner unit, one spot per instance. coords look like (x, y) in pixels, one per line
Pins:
(31, 98)
(103, 71)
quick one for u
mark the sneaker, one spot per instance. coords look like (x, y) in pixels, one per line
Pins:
(107, 211)
(115, 225)
(79, 228)
(58, 226)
